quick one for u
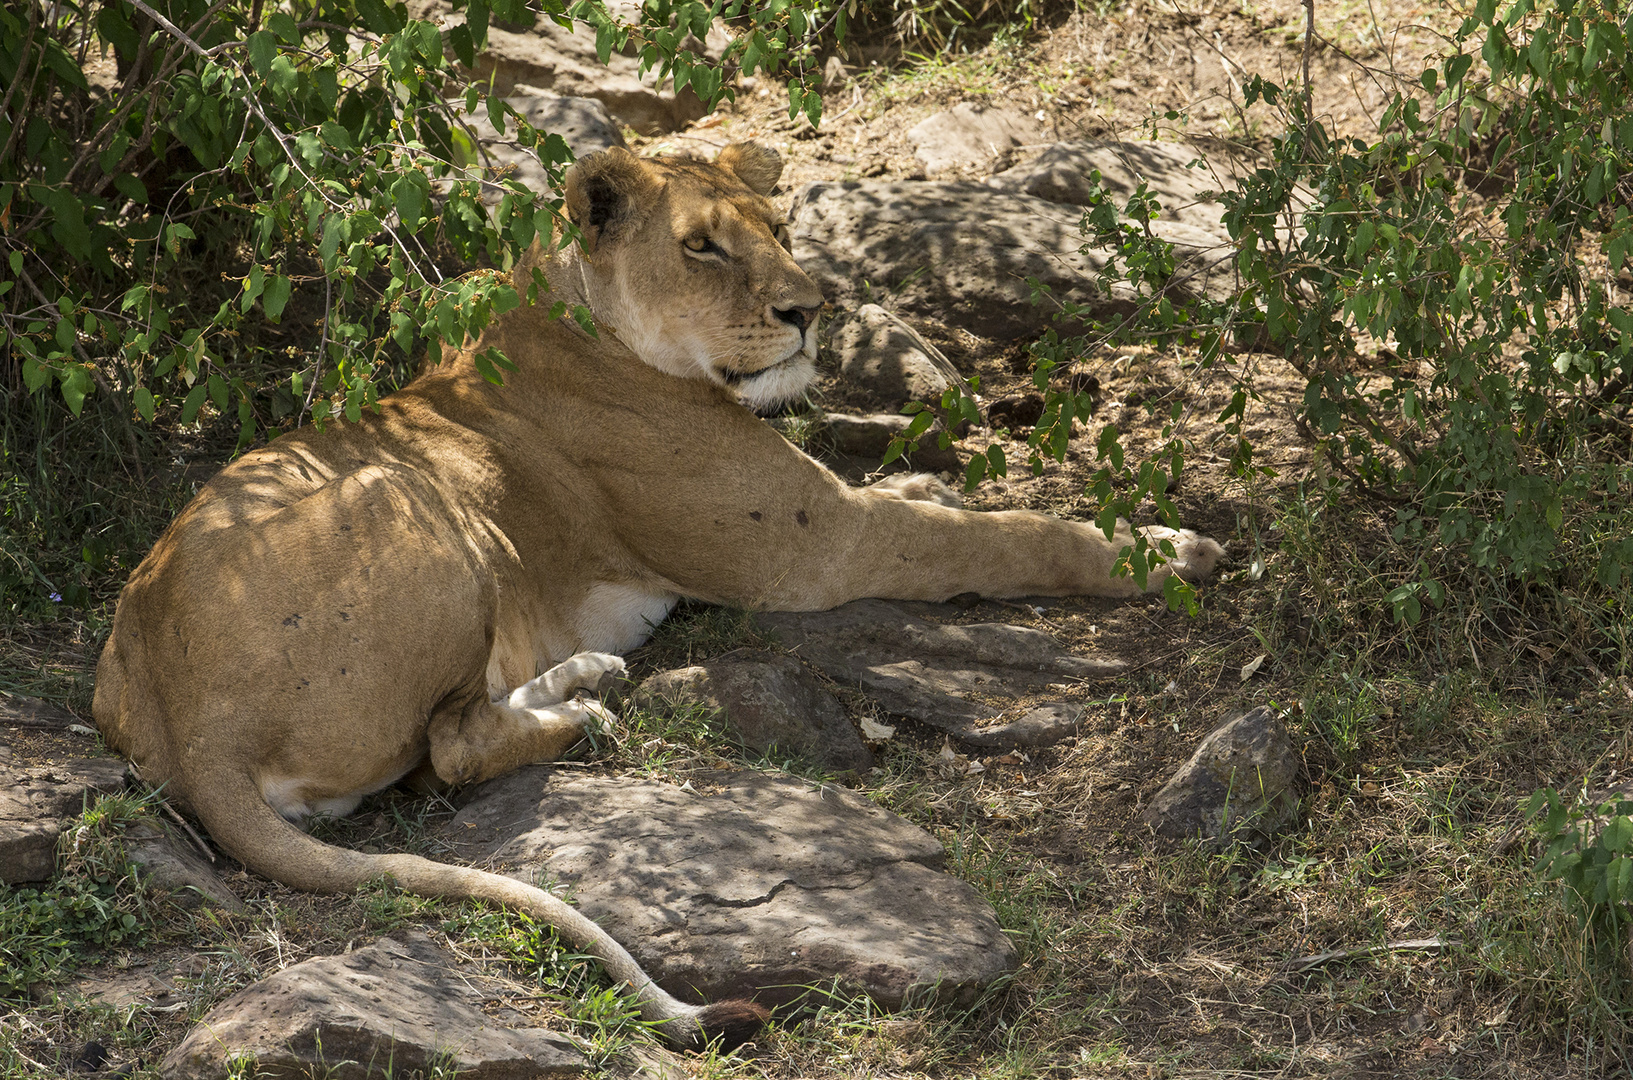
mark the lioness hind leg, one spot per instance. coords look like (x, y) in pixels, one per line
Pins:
(491, 738)
(585, 671)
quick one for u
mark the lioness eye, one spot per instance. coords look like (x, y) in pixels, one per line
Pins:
(699, 244)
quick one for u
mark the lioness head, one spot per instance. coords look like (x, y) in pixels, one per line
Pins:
(688, 263)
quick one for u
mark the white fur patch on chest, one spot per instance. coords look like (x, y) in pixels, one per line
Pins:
(616, 618)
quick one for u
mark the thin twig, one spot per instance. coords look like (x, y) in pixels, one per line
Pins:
(1362, 952)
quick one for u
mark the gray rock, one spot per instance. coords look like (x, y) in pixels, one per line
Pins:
(1241, 775)
(759, 887)
(970, 138)
(395, 1007)
(169, 864)
(867, 436)
(961, 252)
(584, 123)
(548, 57)
(35, 801)
(946, 676)
(16, 710)
(770, 702)
(1061, 174)
(877, 350)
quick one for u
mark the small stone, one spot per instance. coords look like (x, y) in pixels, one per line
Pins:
(770, 702)
(877, 350)
(834, 75)
(1240, 776)
(170, 865)
(868, 436)
(35, 802)
(970, 138)
(1022, 411)
(395, 1007)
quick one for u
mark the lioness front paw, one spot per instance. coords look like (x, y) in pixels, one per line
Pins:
(1194, 556)
(918, 487)
(585, 671)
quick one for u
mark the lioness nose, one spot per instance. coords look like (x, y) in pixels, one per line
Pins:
(800, 317)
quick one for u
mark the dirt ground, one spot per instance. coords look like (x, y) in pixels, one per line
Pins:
(1158, 962)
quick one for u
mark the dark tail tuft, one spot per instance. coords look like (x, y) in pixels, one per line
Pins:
(733, 1023)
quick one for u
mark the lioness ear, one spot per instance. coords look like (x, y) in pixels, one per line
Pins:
(755, 165)
(603, 189)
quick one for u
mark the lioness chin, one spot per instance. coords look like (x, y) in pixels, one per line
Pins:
(431, 586)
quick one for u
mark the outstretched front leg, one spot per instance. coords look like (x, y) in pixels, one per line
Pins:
(538, 721)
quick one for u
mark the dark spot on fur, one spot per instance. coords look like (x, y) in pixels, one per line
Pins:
(755, 514)
(343, 671)
(293, 620)
(344, 617)
(801, 517)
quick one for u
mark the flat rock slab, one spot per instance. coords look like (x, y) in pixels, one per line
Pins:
(946, 676)
(961, 252)
(760, 887)
(170, 864)
(34, 803)
(393, 1008)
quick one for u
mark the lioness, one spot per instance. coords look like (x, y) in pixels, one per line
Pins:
(344, 606)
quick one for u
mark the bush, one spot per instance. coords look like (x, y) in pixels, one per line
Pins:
(1447, 291)
(253, 215)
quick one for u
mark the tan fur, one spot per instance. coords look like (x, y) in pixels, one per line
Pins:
(343, 606)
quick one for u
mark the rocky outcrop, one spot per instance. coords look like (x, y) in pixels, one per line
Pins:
(548, 57)
(583, 123)
(756, 887)
(1182, 181)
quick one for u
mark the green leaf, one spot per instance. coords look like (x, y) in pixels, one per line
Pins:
(380, 18)
(142, 397)
(275, 296)
(263, 46)
(76, 386)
